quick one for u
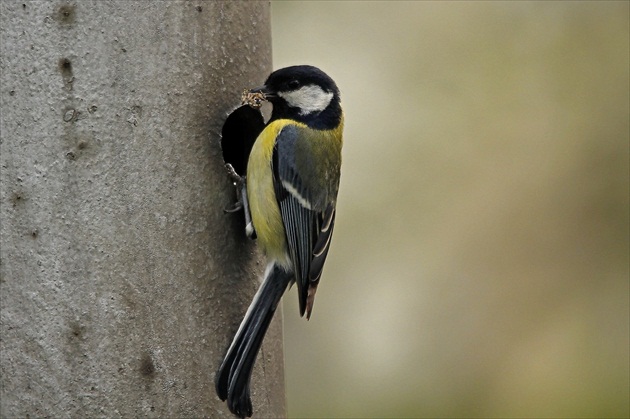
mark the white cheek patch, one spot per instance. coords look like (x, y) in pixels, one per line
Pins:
(308, 99)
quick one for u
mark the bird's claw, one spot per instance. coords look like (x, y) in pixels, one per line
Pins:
(241, 200)
(236, 178)
(239, 182)
(238, 205)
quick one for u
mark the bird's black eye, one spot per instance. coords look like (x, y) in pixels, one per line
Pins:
(294, 84)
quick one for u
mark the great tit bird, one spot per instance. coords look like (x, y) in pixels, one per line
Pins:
(292, 180)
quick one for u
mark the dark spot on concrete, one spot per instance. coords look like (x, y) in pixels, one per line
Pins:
(82, 145)
(23, 5)
(199, 9)
(17, 198)
(77, 331)
(66, 14)
(34, 234)
(65, 66)
(123, 49)
(12, 93)
(70, 155)
(92, 109)
(147, 368)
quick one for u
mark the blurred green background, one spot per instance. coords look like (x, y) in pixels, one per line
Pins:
(480, 260)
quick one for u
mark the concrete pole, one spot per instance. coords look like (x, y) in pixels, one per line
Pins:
(122, 281)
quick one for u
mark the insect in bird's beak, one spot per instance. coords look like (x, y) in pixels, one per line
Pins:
(252, 98)
(255, 97)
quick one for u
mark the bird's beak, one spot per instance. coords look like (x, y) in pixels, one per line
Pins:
(268, 93)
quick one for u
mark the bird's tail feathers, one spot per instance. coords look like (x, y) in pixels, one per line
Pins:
(233, 378)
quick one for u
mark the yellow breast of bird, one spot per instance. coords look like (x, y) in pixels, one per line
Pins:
(262, 197)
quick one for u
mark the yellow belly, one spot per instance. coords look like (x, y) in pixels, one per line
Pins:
(262, 197)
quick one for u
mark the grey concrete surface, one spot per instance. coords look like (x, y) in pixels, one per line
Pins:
(122, 281)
